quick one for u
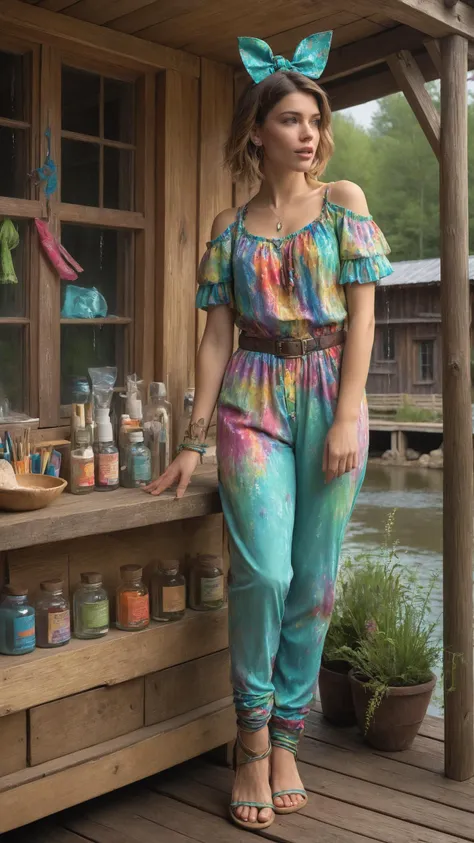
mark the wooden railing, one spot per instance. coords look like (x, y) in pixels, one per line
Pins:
(391, 402)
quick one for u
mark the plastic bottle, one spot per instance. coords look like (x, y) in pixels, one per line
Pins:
(17, 622)
(126, 426)
(139, 460)
(157, 426)
(82, 464)
(106, 455)
(90, 607)
(185, 418)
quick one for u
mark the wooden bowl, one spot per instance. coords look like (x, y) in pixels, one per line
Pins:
(35, 491)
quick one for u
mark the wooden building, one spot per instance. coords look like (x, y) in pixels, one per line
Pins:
(137, 96)
(407, 354)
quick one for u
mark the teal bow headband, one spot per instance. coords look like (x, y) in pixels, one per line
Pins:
(310, 57)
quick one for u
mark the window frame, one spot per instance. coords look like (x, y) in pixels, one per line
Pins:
(419, 380)
(42, 321)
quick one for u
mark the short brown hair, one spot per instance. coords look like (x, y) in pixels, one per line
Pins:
(242, 156)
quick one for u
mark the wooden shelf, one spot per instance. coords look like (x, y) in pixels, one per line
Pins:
(35, 792)
(45, 675)
(72, 516)
(104, 320)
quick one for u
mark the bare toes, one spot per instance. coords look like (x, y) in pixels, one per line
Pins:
(253, 815)
(265, 815)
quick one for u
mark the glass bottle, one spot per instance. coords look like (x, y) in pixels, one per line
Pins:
(157, 426)
(126, 426)
(90, 607)
(206, 590)
(138, 460)
(17, 622)
(188, 406)
(168, 592)
(82, 463)
(53, 623)
(106, 455)
(133, 604)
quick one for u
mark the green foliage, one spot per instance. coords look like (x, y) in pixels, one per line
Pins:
(385, 612)
(394, 164)
(411, 413)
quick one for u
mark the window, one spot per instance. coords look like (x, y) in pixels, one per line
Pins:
(97, 122)
(425, 360)
(16, 114)
(388, 343)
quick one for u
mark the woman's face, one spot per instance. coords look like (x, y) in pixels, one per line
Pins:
(290, 133)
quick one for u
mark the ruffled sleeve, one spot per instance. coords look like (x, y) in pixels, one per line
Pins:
(363, 249)
(215, 273)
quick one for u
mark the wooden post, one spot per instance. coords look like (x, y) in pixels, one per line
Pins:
(458, 475)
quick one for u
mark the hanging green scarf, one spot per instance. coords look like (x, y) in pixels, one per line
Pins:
(9, 239)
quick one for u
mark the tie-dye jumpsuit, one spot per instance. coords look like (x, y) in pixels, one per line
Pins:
(286, 525)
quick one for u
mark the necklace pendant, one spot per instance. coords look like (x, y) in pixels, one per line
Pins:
(279, 226)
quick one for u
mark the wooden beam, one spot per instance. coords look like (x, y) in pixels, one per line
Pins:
(457, 434)
(412, 83)
(87, 38)
(176, 227)
(433, 49)
(215, 182)
(370, 51)
(430, 16)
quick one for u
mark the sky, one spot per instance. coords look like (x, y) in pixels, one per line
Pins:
(362, 114)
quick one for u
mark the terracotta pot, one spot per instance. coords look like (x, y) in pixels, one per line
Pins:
(335, 693)
(399, 716)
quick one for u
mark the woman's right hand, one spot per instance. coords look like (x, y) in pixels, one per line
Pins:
(179, 471)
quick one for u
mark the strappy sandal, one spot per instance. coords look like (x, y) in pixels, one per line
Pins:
(292, 808)
(244, 755)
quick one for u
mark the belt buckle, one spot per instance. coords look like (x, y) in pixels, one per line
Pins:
(290, 342)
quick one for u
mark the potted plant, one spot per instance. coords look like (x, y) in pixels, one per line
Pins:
(364, 584)
(392, 676)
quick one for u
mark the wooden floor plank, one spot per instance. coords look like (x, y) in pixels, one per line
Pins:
(108, 823)
(294, 828)
(385, 771)
(45, 832)
(432, 727)
(426, 754)
(329, 807)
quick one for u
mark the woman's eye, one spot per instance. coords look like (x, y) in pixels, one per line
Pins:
(290, 120)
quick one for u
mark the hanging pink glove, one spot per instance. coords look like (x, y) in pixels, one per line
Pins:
(57, 254)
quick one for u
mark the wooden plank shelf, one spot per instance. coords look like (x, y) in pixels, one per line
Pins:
(46, 675)
(71, 516)
(38, 791)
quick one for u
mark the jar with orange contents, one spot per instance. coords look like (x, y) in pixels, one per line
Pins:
(133, 604)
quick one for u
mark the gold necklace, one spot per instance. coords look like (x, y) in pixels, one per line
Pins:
(279, 222)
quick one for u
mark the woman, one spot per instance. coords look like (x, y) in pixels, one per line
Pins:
(290, 268)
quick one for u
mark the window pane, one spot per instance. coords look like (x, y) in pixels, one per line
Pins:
(80, 98)
(13, 296)
(106, 257)
(118, 178)
(14, 162)
(119, 114)
(12, 367)
(426, 360)
(85, 346)
(12, 81)
(80, 172)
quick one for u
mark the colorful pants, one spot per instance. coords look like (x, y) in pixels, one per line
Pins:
(286, 529)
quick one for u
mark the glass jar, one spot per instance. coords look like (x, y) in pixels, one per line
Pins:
(17, 622)
(53, 622)
(82, 463)
(138, 460)
(90, 607)
(133, 604)
(168, 592)
(206, 589)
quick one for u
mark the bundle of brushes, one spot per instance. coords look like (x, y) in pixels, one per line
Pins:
(25, 459)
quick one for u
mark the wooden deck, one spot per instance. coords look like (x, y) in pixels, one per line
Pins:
(356, 795)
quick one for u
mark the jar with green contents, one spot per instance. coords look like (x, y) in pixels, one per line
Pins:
(206, 582)
(90, 607)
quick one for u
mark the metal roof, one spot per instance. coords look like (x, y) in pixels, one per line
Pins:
(419, 272)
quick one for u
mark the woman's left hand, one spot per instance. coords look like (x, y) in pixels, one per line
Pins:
(340, 450)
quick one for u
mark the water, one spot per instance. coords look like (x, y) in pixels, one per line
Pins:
(416, 495)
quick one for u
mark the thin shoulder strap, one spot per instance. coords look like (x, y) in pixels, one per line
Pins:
(240, 216)
(326, 193)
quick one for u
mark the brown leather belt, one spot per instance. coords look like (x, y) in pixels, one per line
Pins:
(290, 347)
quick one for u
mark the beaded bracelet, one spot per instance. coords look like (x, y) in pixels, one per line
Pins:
(199, 449)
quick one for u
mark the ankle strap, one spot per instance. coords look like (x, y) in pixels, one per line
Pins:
(245, 755)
